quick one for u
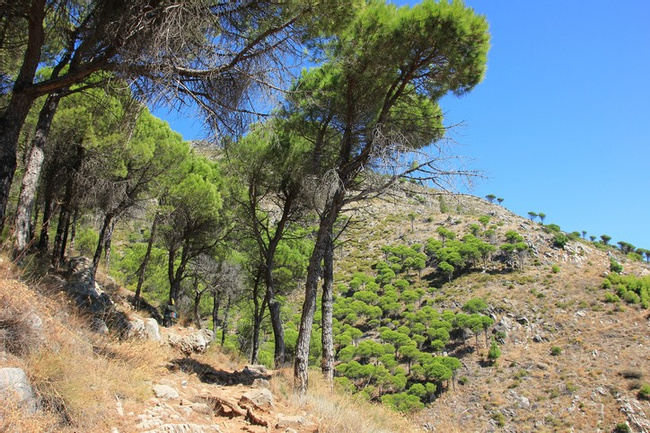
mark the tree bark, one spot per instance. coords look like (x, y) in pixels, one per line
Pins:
(22, 98)
(301, 363)
(198, 294)
(327, 339)
(216, 304)
(224, 327)
(103, 233)
(145, 261)
(258, 315)
(32, 175)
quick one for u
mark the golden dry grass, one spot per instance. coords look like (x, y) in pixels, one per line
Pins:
(339, 412)
(78, 376)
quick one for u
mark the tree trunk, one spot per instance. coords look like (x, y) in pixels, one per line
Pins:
(198, 294)
(32, 227)
(108, 219)
(216, 303)
(145, 261)
(327, 340)
(48, 208)
(326, 225)
(58, 253)
(60, 241)
(278, 332)
(175, 278)
(73, 229)
(224, 327)
(32, 174)
(107, 244)
(14, 115)
(258, 315)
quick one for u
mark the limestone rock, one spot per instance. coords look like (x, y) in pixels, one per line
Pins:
(15, 387)
(261, 383)
(196, 342)
(259, 398)
(152, 330)
(166, 392)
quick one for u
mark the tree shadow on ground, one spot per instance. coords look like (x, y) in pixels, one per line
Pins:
(208, 374)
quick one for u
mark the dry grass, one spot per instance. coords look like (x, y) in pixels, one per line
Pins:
(78, 376)
(338, 412)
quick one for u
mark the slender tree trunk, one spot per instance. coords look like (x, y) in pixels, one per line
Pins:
(108, 219)
(73, 229)
(198, 294)
(326, 225)
(32, 174)
(60, 241)
(224, 327)
(14, 115)
(216, 303)
(107, 244)
(175, 278)
(278, 332)
(58, 253)
(48, 213)
(327, 338)
(258, 314)
(145, 261)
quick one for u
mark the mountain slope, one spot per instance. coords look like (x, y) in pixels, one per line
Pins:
(569, 361)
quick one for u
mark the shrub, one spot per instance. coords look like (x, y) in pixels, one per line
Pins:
(622, 427)
(555, 269)
(560, 240)
(494, 352)
(615, 266)
(499, 418)
(402, 402)
(644, 392)
(556, 351)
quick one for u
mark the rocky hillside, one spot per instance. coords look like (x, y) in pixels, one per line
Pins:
(574, 352)
(573, 355)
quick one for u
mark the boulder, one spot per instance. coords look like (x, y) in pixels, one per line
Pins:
(259, 398)
(197, 342)
(15, 388)
(152, 330)
(261, 383)
(166, 392)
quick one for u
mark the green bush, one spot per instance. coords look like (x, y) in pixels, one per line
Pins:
(402, 402)
(622, 427)
(644, 392)
(556, 351)
(560, 240)
(615, 266)
(494, 352)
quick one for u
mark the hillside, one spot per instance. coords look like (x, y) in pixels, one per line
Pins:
(569, 360)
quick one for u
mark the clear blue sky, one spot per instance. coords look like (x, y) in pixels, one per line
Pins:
(560, 124)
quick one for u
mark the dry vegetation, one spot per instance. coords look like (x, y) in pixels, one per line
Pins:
(82, 377)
